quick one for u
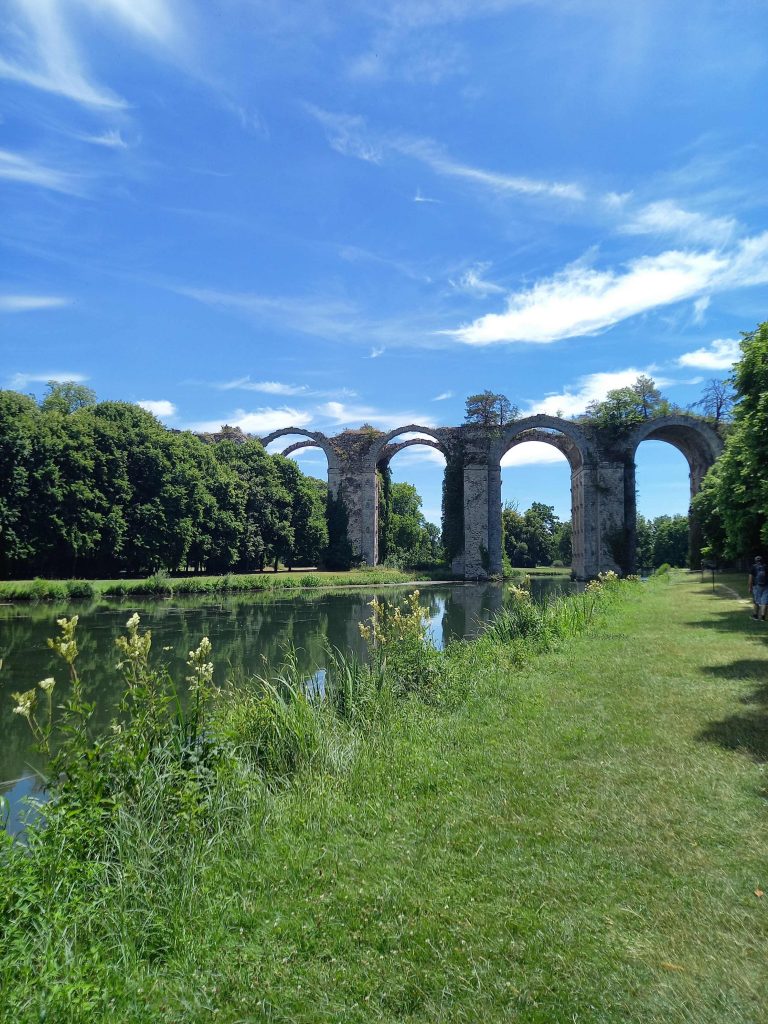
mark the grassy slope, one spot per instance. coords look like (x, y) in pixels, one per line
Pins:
(579, 842)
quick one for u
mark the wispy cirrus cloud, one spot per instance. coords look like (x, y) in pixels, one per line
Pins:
(43, 51)
(274, 387)
(23, 380)
(30, 303)
(581, 300)
(720, 354)
(349, 135)
(666, 217)
(27, 171)
(443, 396)
(110, 139)
(473, 282)
(267, 387)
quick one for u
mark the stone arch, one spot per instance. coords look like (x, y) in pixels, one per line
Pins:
(381, 453)
(567, 437)
(699, 444)
(578, 445)
(378, 448)
(314, 439)
(697, 441)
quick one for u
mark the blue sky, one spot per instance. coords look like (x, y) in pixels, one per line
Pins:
(318, 214)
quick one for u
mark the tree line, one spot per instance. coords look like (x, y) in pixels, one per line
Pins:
(103, 488)
(732, 506)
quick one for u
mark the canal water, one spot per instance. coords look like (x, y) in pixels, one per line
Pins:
(249, 633)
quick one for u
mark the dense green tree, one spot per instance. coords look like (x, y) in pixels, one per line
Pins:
(66, 396)
(622, 408)
(535, 537)
(101, 489)
(19, 430)
(489, 409)
(733, 505)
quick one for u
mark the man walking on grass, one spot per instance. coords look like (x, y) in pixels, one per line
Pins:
(758, 587)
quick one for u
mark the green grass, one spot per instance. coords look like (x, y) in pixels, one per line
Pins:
(159, 585)
(573, 838)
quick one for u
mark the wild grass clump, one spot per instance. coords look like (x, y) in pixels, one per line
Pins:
(525, 627)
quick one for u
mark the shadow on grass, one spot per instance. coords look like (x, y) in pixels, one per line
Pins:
(746, 732)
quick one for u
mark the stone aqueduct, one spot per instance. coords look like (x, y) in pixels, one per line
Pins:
(602, 464)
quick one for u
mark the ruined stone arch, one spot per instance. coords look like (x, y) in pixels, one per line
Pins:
(314, 439)
(699, 444)
(575, 445)
(567, 437)
(378, 449)
(697, 441)
(380, 454)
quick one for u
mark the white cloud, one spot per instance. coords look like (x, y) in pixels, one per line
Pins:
(420, 198)
(47, 56)
(700, 307)
(162, 408)
(581, 300)
(532, 453)
(428, 153)
(15, 167)
(111, 139)
(23, 380)
(443, 396)
(473, 282)
(28, 303)
(267, 387)
(376, 351)
(258, 422)
(341, 415)
(592, 388)
(667, 218)
(346, 133)
(349, 135)
(721, 354)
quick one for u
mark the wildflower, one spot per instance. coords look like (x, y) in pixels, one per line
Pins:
(46, 685)
(133, 622)
(25, 703)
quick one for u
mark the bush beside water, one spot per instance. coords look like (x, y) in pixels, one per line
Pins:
(109, 881)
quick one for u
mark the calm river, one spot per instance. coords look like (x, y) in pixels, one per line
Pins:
(249, 633)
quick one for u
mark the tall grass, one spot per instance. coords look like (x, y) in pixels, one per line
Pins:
(114, 883)
(160, 584)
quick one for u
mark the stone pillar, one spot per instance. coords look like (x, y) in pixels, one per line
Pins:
(601, 489)
(477, 540)
(578, 541)
(369, 513)
(494, 519)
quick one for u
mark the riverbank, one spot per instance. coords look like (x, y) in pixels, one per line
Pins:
(161, 585)
(577, 837)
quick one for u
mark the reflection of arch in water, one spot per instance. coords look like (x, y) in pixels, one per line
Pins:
(699, 444)
(382, 453)
(569, 439)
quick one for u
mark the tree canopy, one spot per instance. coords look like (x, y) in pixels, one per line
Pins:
(732, 507)
(489, 409)
(102, 488)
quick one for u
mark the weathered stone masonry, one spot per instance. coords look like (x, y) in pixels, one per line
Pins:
(602, 464)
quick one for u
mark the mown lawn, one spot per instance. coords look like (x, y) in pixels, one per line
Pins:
(581, 840)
